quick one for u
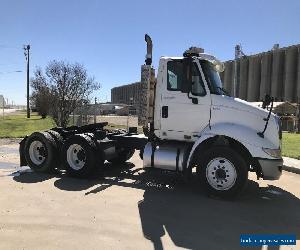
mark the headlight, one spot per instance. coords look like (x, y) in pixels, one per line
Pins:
(276, 153)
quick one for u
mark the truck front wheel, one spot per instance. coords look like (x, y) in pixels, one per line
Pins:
(222, 172)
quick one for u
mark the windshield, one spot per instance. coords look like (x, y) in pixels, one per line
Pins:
(212, 77)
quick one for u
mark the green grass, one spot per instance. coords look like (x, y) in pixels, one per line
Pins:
(291, 145)
(17, 125)
(14, 126)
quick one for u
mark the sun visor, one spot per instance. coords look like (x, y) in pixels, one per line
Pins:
(218, 65)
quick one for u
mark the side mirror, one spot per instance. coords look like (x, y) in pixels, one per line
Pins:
(266, 101)
(187, 75)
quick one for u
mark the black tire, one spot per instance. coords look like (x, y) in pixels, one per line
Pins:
(141, 154)
(122, 157)
(215, 182)
(90, 159)
(59, 140)
(46, 153)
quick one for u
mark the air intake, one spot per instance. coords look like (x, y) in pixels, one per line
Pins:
(193, 51)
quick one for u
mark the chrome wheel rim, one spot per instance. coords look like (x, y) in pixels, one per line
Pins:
(221, 173)
(76, 156)
(37, 152)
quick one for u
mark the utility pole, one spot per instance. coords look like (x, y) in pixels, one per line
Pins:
(3, 106)
(298, 116)
(27, 56)
(236, 56)
(238, 53)
(95, 109)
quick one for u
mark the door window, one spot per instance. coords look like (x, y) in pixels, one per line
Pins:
(176, 74)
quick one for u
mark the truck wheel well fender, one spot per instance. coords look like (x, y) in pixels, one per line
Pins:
(220, 141)
(199, 149)
(240, 148)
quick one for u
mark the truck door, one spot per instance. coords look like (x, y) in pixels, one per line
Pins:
(184, 115)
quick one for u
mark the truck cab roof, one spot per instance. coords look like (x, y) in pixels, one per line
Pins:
(201, 56)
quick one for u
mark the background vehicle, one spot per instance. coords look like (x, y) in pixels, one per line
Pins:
(189, 122)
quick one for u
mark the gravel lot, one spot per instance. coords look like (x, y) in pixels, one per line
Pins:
(119, 120)
(9, 153)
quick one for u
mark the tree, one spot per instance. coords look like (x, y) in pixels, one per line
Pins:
(68, 86)
(41, 95)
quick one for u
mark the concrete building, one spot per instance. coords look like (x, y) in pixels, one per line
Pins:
(126, 94)
(2, 101)
(275, 72)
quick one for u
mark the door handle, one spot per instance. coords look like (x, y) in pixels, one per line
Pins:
(164, 112)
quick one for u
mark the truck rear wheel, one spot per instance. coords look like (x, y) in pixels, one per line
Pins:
(222, 172)
(41, 152)
(123, 156)
(57, 138)
(80, 156)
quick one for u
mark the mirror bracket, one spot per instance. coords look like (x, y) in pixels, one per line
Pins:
(187, 75)
(194, 99)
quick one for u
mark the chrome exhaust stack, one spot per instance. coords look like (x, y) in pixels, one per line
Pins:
(148, 40)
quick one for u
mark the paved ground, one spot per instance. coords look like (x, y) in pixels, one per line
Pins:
(133, 209)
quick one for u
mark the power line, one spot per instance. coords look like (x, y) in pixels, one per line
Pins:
(9, 64)
(4, 46)
(9, 72)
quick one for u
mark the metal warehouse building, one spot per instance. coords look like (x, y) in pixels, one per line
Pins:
(275, 72)
(126, 94)
(2, 101)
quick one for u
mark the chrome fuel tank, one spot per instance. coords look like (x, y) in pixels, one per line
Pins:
(168, 156)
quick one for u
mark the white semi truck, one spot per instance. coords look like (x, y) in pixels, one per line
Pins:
(189, 121)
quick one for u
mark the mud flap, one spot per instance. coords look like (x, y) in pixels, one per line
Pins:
(23, 161)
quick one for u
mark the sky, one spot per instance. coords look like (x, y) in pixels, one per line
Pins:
(107, 37)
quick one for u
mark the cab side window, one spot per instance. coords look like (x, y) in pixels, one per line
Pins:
(175, 75)
(176, 78)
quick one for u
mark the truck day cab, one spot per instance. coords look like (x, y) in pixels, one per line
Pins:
(189, 121)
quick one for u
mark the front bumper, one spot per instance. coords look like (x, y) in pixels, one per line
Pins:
(271, 169)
